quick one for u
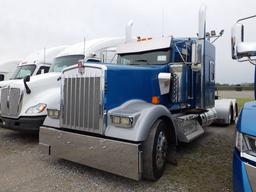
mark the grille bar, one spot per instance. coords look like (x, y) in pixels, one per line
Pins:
(82, 98)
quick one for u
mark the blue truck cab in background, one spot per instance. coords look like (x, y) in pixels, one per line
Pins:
(244, 155)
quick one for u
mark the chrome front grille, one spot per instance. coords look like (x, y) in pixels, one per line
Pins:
(81, 106)
(10, 102)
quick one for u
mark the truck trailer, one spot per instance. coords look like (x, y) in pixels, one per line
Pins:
(28, 111)
(128, 118)
(244, 154)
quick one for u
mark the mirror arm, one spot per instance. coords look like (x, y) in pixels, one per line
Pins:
(252, 61)
(216, 39)
(253, 16)
(25, 80)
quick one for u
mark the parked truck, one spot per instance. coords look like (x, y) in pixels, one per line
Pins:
(27, 108)
(10, 95)
(244, 155)
(37, 63)
(34, 64)
(128, 118)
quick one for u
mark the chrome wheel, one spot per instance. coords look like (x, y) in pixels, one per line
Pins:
(161, 150)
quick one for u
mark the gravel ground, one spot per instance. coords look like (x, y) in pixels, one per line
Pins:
(204, 165)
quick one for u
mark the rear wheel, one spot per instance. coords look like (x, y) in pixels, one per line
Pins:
(230, 116)
(155, 150)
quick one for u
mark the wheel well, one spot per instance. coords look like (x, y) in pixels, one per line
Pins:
(170, 131)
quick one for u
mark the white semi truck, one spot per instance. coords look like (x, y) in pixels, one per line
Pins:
(24, 103)
(34, 64)
(37, 63)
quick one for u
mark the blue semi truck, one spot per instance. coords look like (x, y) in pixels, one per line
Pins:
(244, 155)
(128, 118)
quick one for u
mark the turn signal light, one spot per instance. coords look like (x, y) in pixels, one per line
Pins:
(155, 100)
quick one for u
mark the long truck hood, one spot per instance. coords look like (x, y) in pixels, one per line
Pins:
(124, 83)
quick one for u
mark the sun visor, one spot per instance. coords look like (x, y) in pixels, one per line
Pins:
(144, 45)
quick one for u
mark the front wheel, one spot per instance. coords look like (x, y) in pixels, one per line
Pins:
(155, 150)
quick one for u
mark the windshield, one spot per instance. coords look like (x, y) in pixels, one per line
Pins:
(65, 61)
(23, 71)
(154, 57)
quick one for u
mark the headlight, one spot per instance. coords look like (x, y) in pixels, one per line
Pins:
(122, 121)
(53, 113)
(246, 145)
(39, 108)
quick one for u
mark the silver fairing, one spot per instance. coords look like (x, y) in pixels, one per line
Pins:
(11, 100)
(82, 94)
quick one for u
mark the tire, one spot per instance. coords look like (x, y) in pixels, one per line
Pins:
(155, 151)
(230, 117)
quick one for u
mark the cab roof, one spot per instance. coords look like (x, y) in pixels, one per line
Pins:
(44, 56)
(91, 46)
(145, 44)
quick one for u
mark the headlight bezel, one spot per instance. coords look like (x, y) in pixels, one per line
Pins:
(36, 109)
(122, 120)
(244, 145)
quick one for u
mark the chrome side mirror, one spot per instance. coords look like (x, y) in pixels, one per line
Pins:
(246, 49)
(241, 50)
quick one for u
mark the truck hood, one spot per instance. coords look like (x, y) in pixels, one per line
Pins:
(247, 119)
(125, 83)
(33, 79)
(8, 82)
(45, 88)
(36, 81)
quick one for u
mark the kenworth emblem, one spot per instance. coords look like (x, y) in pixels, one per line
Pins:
(81, 67)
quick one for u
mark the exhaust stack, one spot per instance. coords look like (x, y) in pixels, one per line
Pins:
(128, 32)
(202, 22)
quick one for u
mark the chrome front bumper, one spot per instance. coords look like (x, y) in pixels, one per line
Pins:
(118, 157)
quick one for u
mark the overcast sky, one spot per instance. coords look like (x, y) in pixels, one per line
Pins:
(30, 25)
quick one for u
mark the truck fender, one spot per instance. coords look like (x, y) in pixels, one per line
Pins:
(223, 107)
(144, 115)
(48, 96)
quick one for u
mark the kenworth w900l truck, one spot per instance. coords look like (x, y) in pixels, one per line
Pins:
(244, 155)
(24, 102)
(128, 118)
